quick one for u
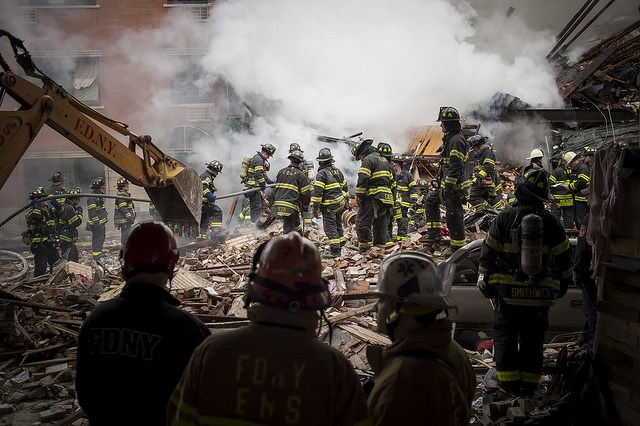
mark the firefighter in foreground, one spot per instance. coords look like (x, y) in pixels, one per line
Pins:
(211, 216)
(124, 214)
(275, 370)
(257, 178)
(374, 196)
(486, 190)
(137, 345)
(426, 377)
(292, 194)
(69, 219)
(406, 196)
(41, 225)
(97, 217)
(525, 265)
(330, 198)
(453, 175)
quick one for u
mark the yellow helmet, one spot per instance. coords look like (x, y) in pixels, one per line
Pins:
(536, 153)
(569, 156)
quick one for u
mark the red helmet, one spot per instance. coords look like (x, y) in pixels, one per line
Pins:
(150, 247)
(289, 275)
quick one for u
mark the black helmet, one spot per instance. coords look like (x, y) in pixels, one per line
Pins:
(268, 148)
(589, 151)
(215, 166)
(397, 158)
(360, 147)
(448, 114)
(121, 183)
(535, 183)
(324, 155)
(57, 178)
(97, 183)
(385, 149)
(37, 193)
(296, 156)
(476, 140)
(295, 147)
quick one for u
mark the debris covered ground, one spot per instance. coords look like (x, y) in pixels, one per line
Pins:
(40, 320)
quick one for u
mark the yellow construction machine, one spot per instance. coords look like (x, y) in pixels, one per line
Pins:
(174, 189)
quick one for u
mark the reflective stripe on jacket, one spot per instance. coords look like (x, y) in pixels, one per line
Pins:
(580, 178)
(256, 174)
(406, 189)
(375, 178)
(97, 211)
(69, 221)
(561, 175)
(330, 187)
(41, 223)
(453, 161)
(293, 190)
(207, 186)
(124, 210)
(486, 167)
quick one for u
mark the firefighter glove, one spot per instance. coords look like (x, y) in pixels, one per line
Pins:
(212, 198)
(55, 203)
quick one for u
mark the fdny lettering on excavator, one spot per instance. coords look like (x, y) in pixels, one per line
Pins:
(257, 379)
(87, 131)
(124, 342)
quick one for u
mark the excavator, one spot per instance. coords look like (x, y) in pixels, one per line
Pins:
(174, 189)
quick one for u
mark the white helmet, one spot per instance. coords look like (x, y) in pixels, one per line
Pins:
(536, 153)
(569, 156)
(411, 276)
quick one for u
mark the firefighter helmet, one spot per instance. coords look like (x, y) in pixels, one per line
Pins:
(476, 140)
(288, 275)
(535, 153)
(397, 158)
(569, 156)
(215, 166)
(385, 149)
(535, 183)
(57, 178)
(324, 155)
(150, 247)
(411, 276)
(269, 149)
(37, 193)
(97, 183)
(589, 151)
(447, 113)
(121, 183)
(360, 147)
(74, 191)
(295, 147)
(296, 156)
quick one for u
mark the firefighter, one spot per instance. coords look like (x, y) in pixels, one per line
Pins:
(417, 217)
(385, 150)
(275, 370)
(137, 344)
(432, 213)
(153, 212)
(68, 222)
(486, 190)
(292, 194)
(257, 178)
(41, 225)
(124, 214)
(524, 283)
(405, 196)
(454, 182)
(560, 179)
(374, 196)
(97, 217)
(535, 160)
(423, 363)
(211, 216)
(330, 198)
(578, 187)
(57, 188)
(295, 147)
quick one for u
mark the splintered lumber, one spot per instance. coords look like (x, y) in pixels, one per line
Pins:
(227, 324)
(351, 313)
(365, 335)
(37, 305)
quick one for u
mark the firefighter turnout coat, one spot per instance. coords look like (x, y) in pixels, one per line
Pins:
(256, 174)
(375, 178)
(274, 371)
(293, 191)
(453, 162)
(330, 188)
(97, 210)
(124, 213)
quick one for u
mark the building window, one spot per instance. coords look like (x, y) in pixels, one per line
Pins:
(79, 75)
(187, 1)
(190, 84)
(57, 2)
(29, 16)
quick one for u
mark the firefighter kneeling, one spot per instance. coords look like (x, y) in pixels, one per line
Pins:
(525, 265)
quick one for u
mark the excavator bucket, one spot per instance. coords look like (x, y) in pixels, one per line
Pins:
(180, 201)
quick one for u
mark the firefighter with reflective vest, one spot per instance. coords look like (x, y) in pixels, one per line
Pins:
(578, 187)
(406, 196)
(373, 194)
(433, 216)
(211, 216)
(137, 344)
(385, 150)
(423, 363)
(257, 178)
(69, 220)
(57, 188)
(454, 181)
(97, 217)
(486, 190)
(525, 265)
(417, 217)
(276, 361)
(41, 230)
(292, 194)
(124, 214)
(560, 179)
(330, 198)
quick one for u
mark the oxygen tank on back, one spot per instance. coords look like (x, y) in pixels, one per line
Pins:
(532, 231)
